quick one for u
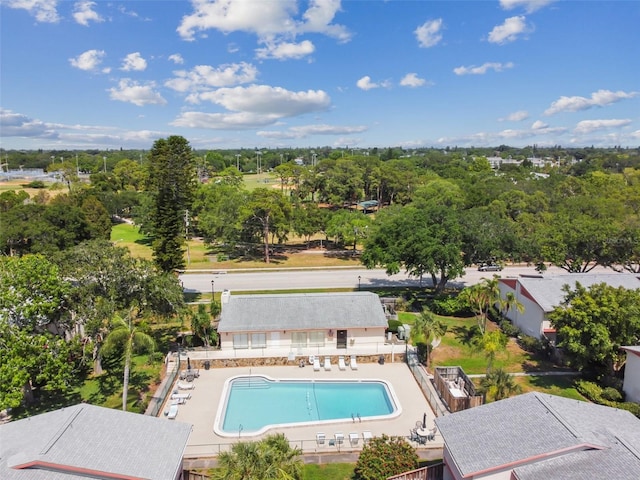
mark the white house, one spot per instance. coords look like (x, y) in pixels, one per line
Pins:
(539, 436)
(540, 295)
(631, 386)
(304, 323)
(89, 442)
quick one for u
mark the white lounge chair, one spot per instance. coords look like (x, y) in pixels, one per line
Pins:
(180, 396)
(366, 436)
(353, 439)
(341, 364)
(185, 385)
(353, 363)
(173, 412)
(339, 438)
(327, 363)
(316, 364)
(320, 438)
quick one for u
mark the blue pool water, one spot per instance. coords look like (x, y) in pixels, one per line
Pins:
(253, 403)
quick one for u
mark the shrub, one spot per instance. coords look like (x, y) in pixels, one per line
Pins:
(612, 395)
(393, 326)
(508, 328)
(590, 390)
(530, 344)
(155, 357)
(384, 457)
(35, 184)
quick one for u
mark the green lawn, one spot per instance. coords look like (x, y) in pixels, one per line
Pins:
(330, 471)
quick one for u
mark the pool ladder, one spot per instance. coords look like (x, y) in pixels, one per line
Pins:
(308, 403)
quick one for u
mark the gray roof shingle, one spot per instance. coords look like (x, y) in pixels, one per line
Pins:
(89, 438)
(531, 426)
(305, 311)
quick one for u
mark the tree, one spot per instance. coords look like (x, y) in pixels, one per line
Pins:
(267, 212)
(499, 384)
(126, 337)
(171, 181)
(271, 458)
(348, 227)
(218, 209)
(383, 457)
(481, 297)
(592, 324)
(490, 344)
(201, 326)
(429, 327)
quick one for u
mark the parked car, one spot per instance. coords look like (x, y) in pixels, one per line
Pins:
(490, 267)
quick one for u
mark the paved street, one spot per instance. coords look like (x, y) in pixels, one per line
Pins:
(333, 278)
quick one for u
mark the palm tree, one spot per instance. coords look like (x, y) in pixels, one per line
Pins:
(481, 297)
(272, 458)
(125, 335)
(429, 327)
(508, 302)
(499, 384)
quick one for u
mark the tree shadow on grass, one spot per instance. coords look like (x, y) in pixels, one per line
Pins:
(466, 334)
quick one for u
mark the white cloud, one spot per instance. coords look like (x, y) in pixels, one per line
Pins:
(83, 13)
(134, 61)
(267, 20)
(482, 69)
(588, 126)
(133, 92)
(428, 34)
(515, 116)
(365, 83)
(44, 11)
(308, 130)
(412, 80)
(600, 98)
(285, 50)
(528, 5)
(509, 30)
(176, 58)
(267, 100)
(223, 121)
(539, 125)
(19, 125)
(89, 60)
(203, 77)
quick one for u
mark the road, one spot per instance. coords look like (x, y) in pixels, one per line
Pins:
(332, 278)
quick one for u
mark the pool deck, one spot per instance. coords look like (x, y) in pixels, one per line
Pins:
(200, 410)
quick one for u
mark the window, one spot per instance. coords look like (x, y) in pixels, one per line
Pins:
(240, 340)
(299, 339)
(258, 340)
(316, 339)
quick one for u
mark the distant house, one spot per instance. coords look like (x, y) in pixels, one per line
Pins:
(540, 295)
(631, 385)
(89, 442)
(538, 436)
(303, 323)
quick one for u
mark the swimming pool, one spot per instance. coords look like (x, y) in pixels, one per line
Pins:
(253, 404)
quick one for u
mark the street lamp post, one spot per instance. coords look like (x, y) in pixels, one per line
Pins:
(238, 161)
(359, 278)
(104, 159)
(213, 290)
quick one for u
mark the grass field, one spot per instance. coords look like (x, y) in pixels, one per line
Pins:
(51, 189)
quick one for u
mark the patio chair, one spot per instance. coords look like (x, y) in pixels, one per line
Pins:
(327, 363)
(339, 438)
(353, 363)
(173, 412)
(432, 434)
(316, 365)
(353, 439)
(341, 364)
(366, 437)
(185, 385)
(320, 438)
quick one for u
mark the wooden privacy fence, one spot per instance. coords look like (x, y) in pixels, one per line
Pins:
(432, 472)
(456, 389)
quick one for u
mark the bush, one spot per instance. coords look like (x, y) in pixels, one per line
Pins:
(384, 457)
(509, 329)
(35, 184)
(530, 344)
(393, 326)
(612, 395)
(155, 357)
(590, 390)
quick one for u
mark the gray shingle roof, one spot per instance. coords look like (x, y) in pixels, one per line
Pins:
(547, 291)
(90, 438)
(305, 311)
(534, 425)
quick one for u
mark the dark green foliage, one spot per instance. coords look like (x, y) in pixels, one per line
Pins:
(171, 182)
(449, 305)
(384, 457)
(530, 344)
(611, 394)
(608, 396)
(35, 184)
(509, 329)
(393, 325)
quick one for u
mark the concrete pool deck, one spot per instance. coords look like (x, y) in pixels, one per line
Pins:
(200, 410)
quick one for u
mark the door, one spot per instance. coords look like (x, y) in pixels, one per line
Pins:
(342, 339)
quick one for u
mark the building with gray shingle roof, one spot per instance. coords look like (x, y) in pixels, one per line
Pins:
(86, 441)
(301, 321)
(540, 295)
(540, 436)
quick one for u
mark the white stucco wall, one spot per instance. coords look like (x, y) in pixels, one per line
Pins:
(532, 320)
(631, 384)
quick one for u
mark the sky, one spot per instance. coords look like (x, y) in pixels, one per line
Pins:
(228, 74)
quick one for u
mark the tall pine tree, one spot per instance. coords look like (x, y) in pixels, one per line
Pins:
(172, 183)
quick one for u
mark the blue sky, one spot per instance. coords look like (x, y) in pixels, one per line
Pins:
(356, 74)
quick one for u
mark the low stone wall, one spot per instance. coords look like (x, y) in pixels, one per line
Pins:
(284, 361)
